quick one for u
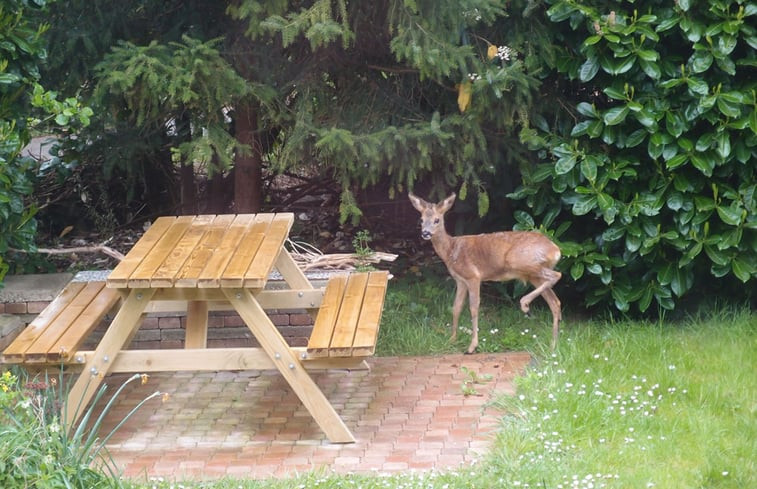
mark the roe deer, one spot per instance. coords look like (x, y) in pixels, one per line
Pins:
(525, 255)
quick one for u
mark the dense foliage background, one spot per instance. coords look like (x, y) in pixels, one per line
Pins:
(624, 130)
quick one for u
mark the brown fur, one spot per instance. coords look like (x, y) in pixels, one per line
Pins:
(508, 255)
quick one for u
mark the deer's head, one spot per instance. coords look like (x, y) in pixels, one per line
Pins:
(432, 215)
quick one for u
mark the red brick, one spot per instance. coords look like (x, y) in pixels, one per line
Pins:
(15, 308)
(300, 319)
(35, 307)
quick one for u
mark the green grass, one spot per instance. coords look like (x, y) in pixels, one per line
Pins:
(417, 320)
(638, 405)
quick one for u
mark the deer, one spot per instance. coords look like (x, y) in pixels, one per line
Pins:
(528, 256)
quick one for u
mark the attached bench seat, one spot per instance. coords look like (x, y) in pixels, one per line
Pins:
(348, 320)
(61, 328)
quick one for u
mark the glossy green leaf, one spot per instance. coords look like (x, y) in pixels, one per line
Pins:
(636, 138)
(577, 270)
(742, 269)
(616, 115)
(588, 69)
(614, 93)
(701, 61)
(565, 164)
(731, 215)
(587, 110)
(676, 161)
(584, 204)
(589, 168)
(703, 163)
(697, 86)
(651, 68)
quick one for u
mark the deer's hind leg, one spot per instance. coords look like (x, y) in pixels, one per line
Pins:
(545, 279)
(554, 306)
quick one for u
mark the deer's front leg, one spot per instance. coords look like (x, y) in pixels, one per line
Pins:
(457, 306)
(474, 299)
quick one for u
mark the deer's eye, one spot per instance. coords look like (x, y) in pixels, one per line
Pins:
(436, 221)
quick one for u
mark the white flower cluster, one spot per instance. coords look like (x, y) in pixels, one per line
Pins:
(474, 77)
(504, 53)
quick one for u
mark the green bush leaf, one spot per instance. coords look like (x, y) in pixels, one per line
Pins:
(616, 115)
(730, 215)
(588, 69)
(742, 269)
(565, 164)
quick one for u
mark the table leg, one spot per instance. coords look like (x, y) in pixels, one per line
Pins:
(121, 330)
(289, 365)
(197, 325)
(291, 273)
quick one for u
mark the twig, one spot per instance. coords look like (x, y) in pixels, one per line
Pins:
(78, 249)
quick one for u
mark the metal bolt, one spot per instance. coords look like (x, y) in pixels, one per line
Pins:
(303, 355)
(80, 359)
(239, 295)
(291, 366)
(300, 294)
(277, 355)
(139, 296)
(106, 358)
(93, 371)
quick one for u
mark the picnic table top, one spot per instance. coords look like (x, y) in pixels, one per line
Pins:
(204, 251)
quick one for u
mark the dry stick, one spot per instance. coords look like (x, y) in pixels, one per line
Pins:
(78, 249)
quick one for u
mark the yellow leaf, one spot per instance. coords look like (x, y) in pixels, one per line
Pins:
(491, 52)
(463, 95)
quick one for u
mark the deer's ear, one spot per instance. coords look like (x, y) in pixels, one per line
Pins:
(417, 202)
(446, 204)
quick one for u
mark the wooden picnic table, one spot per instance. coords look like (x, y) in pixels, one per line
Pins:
(201, 262)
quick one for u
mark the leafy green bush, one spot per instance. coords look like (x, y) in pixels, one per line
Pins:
(653, 179)
(21, 53)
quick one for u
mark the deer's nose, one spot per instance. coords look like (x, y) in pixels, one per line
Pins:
(425, 235)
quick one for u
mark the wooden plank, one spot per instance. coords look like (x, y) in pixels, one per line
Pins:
(87, 321)
(293, 276)
(37, 352)
(119, 332)
(166, 274)
(349, 313)
(189, 274)
(213, 359)
(367, 330)
(210, 277)
(268, 251)
(119, 277)
(323, 329)
(233, 275)
(289, 365)
(142, 275)
(197, 325)
(16, 350)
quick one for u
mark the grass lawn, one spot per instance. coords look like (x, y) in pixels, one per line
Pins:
(620, 404)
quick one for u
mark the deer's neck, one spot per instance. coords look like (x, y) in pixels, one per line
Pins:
(442, 243)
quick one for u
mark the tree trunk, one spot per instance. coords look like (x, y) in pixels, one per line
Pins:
(188, 193)
(248, 169)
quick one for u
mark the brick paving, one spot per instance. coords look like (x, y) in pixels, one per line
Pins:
(407, 413)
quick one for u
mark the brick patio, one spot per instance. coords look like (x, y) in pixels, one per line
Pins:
(407, 413)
